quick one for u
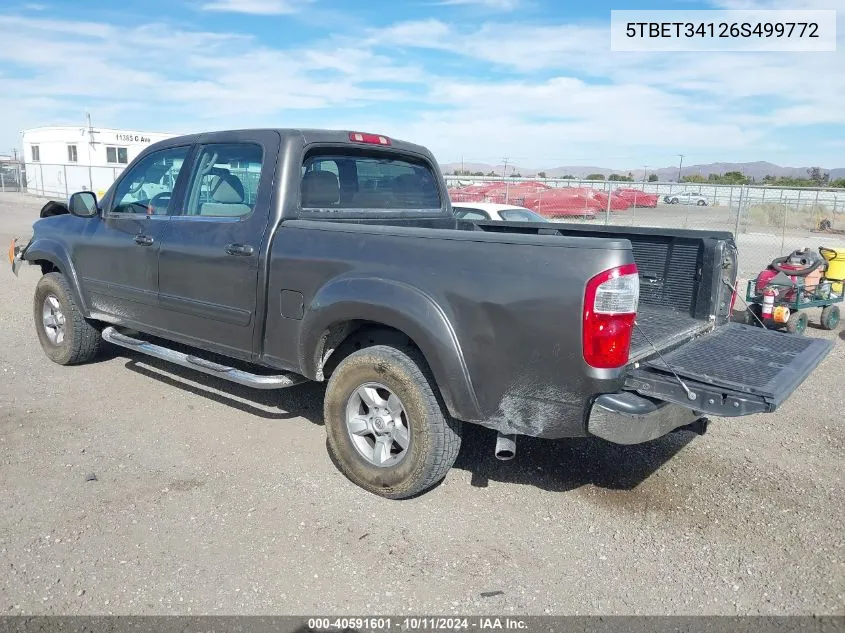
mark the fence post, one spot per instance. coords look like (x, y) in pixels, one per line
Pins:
(64, 168)
(41, 172)
(739, 207)
(2, 183)
(607, 211)
(783, 230)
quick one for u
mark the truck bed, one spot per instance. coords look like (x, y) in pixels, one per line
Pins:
(676, 279)
(676, 267)
(662, 326)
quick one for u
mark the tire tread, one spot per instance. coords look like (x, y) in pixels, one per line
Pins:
(445, 432)
(85, 338)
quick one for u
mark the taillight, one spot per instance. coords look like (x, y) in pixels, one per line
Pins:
(372, 139)
(610, 307)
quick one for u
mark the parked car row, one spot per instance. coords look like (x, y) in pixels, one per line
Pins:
(554, 202)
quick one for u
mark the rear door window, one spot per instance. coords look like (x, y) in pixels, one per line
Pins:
(339, 181)
(224, 182)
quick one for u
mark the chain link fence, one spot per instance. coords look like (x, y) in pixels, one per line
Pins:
(11, 176)
(54, 180)
(767, 221)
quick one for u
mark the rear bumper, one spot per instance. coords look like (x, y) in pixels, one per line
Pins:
(627, 418)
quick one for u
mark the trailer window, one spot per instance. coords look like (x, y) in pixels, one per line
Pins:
(36, 154)
(71, 154)
(368, 182)
(117, 155)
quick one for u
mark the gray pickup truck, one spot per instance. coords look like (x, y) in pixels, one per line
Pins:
(273, 257)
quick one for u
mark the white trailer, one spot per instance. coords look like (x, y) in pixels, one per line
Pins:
(61, 160)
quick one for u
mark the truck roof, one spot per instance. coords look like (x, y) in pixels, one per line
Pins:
(309, 135)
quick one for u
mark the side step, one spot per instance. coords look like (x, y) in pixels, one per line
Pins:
(279, 381)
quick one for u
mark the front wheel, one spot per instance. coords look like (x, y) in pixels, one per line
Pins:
(65, 335)
(797, 323)
(387, 429)
(830, 317)
(701, 203)
(673, 201)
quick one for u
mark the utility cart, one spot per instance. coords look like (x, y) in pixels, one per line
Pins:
(781, 294)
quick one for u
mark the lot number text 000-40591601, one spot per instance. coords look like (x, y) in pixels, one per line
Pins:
(737, 30)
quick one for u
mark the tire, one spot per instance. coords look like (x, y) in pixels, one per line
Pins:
(432, 438)
(673, 201)
(701, 203)
(72, 340)
(830, 317)
(797, 323)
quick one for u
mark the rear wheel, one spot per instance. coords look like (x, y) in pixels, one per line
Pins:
(797, 323)
(387, 429)
(674, 201)
(66, 337)
(701, 203)
(830, 317)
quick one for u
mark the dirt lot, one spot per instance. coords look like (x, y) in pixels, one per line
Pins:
(211, 498)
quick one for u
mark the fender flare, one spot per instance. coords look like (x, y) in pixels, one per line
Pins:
(404, 308)
(54, 252)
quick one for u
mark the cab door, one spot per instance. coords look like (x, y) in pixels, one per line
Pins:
(118, 259)
(209, 259)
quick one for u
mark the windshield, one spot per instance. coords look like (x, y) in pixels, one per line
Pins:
(521, 215)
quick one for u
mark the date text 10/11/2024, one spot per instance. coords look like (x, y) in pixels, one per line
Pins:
(418, 624)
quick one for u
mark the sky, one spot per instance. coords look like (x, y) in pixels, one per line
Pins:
(475, 80)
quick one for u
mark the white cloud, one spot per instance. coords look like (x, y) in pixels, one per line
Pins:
(522, 47)
(549, 93)
(496, 5)
(219, 80)
(256, 7)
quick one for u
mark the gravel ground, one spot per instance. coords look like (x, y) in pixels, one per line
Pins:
(212, 498)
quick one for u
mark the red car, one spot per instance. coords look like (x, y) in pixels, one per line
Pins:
(638, 198)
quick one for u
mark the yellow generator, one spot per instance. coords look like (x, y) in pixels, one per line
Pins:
(835, 267)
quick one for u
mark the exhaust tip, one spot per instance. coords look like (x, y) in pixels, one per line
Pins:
(505, 447)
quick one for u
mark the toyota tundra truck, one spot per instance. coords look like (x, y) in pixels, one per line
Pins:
(277, 256)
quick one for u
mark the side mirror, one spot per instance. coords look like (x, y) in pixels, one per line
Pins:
(83, 204)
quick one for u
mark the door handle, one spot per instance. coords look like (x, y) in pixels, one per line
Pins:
(144, 240)
(239, 249)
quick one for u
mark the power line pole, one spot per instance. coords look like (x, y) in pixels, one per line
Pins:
(645, 173)
(505, 168)
(681, 164)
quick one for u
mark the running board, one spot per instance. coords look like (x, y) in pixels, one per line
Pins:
(257, 381)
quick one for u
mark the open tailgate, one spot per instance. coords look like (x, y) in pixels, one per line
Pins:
(734, 370)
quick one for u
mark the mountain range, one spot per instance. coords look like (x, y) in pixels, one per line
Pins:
(756, 170)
